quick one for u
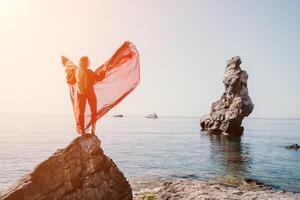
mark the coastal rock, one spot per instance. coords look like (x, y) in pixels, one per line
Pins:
(226, 115)
(188, 190)
(293, 146)
(80, 171)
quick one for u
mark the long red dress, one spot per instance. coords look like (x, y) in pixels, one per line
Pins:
(120, 78)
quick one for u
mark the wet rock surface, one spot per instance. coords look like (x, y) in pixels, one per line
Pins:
(226, 115)
(79, 171)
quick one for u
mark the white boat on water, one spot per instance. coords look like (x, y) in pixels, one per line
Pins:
(152, 116)
(118, 115)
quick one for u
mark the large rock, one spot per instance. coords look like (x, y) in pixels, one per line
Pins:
(79, 171)
(226, 115)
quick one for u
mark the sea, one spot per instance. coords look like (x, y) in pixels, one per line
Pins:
(166, 148)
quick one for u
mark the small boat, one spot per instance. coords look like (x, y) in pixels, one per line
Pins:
(118, 115)
(152, 116)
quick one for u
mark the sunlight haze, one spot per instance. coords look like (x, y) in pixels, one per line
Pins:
(184, 46)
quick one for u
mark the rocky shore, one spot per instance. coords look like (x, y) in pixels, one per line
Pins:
(233, 189)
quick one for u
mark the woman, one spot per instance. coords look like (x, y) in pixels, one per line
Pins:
(85, 79)
(115, 79)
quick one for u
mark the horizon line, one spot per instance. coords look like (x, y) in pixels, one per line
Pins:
(163, 116)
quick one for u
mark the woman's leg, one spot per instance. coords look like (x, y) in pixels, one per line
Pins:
(81, 99)
(92, 100)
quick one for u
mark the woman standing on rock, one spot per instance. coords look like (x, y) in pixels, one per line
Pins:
(103, 88)
(85, 79)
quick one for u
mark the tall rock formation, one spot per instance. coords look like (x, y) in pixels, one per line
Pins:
(80, 171)
(226, 115)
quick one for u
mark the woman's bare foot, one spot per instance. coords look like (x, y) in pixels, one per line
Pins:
(83, 133)
(93, 129)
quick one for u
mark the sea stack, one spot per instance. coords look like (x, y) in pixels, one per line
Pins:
(80, 171)
(226, 115)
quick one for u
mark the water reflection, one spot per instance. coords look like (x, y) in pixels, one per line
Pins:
(230, 154)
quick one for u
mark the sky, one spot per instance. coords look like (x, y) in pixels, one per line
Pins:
(184, 46)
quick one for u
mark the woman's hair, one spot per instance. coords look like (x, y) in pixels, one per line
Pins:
(84, 62)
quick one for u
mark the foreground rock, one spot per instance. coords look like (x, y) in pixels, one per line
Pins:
(80, 171)
(226, 115)
(184, 189)
(236, 188)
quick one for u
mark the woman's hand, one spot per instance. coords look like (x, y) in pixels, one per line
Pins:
(64, 60)
(104, 68)
(67, 63)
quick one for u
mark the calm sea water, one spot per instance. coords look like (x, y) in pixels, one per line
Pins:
(165, 148)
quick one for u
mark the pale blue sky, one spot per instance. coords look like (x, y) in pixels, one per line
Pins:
(184, 46)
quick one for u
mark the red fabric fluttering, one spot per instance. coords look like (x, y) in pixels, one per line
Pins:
(122, 75)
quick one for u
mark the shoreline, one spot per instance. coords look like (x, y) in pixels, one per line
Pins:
(227, 188)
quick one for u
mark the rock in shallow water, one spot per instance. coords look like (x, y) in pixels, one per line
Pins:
(79, 171)
(226, 114)
(293, 146)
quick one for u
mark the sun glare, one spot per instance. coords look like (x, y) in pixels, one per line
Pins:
(5, 6)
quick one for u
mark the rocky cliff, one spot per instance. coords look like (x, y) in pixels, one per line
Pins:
(226, 114)
(79, 171)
